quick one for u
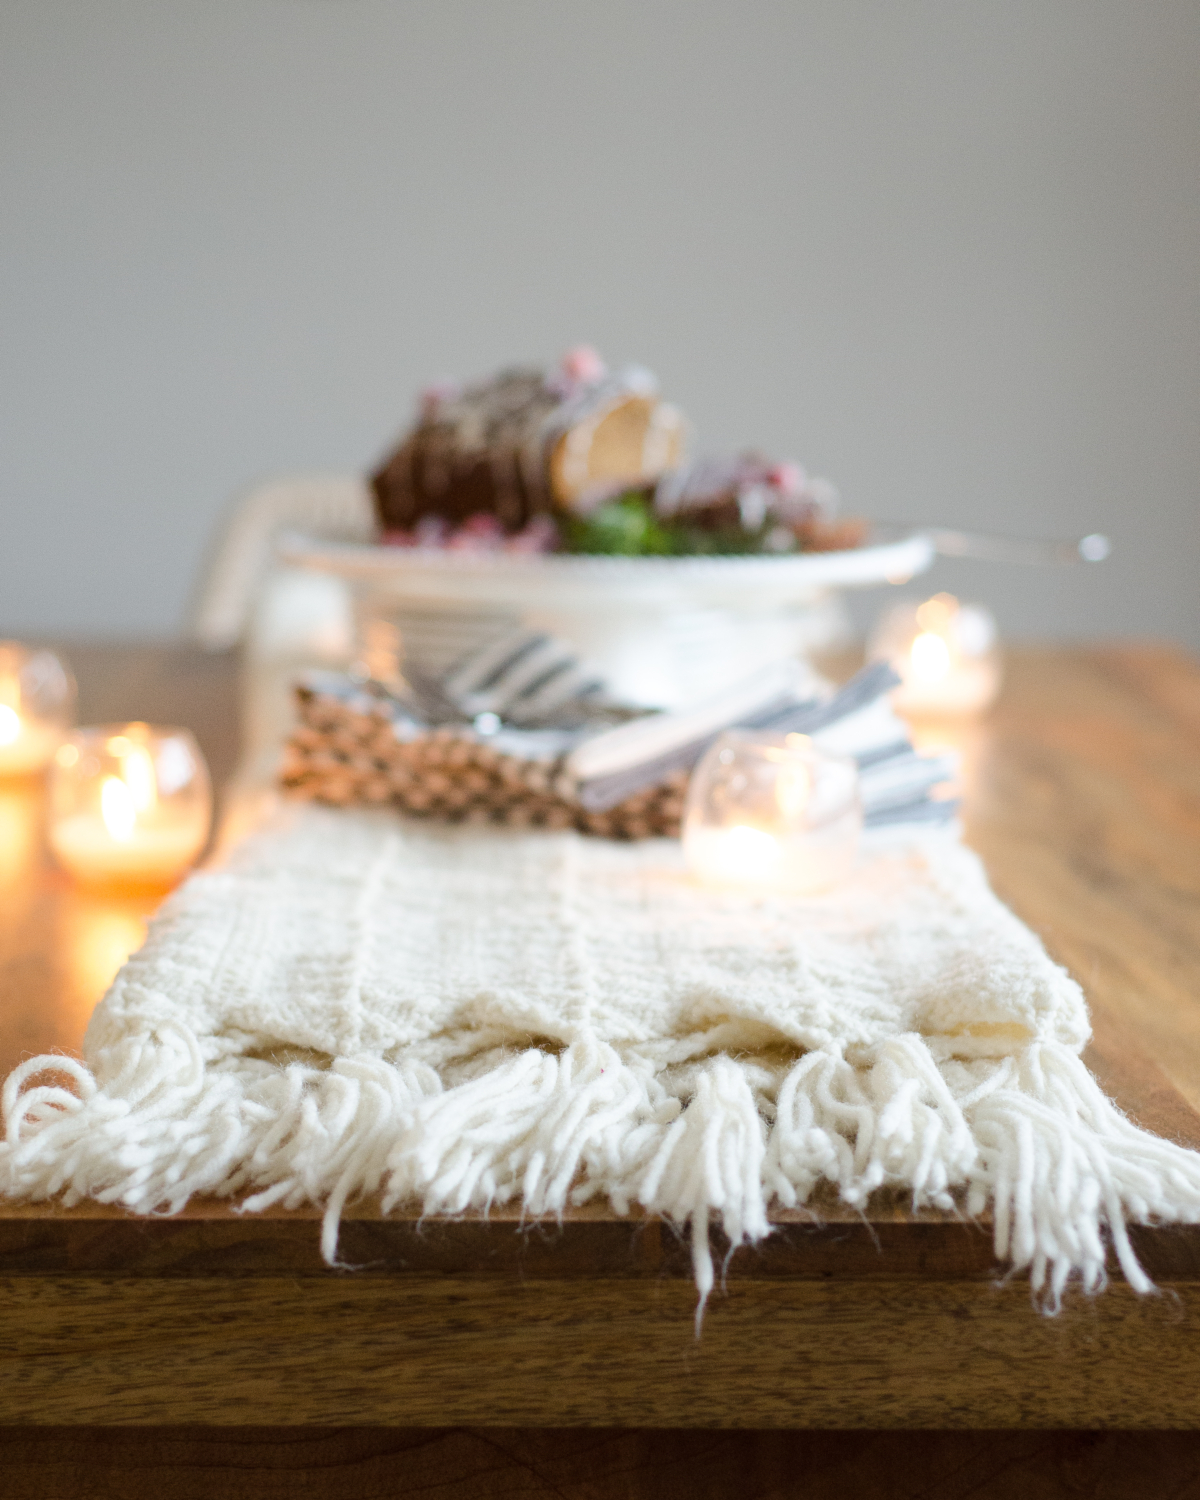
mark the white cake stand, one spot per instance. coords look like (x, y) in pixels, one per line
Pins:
(662, 632)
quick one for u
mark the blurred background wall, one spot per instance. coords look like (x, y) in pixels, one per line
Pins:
(946, 252)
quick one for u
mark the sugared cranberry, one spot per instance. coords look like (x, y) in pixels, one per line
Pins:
(787, 478)
(435, 396)
(430, 531)
(582, 365)
(478, 533)
(539, 534)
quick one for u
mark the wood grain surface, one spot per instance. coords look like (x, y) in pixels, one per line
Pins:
(255, 1463)
(419, 1350)
(1083, 797)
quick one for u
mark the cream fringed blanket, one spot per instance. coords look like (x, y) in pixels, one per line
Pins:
(460, 1017)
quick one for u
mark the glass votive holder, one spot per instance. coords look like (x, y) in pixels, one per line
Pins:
(945, 652)
(772, 811)
(130, 804)
(37, 705)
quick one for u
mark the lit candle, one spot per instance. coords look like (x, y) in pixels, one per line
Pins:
(945, 653)
(130, 804)
(772, 811)
(37, 697)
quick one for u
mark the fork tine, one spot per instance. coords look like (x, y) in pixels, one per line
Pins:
(479, 670)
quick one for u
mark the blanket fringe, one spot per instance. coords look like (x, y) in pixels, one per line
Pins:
(1031, 1135)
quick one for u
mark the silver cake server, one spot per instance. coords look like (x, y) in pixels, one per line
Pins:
(949, 542)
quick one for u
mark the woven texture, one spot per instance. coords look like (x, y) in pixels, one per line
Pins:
(356, 1002)
(353, 933)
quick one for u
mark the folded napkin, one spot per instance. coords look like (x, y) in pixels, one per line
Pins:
(358, 742)
(357, 1002)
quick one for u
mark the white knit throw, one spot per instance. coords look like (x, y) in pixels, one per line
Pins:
(356, 1003)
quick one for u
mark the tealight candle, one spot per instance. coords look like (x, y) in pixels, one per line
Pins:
(37, 699)
(945, 653)
(130, 804)
(772, 811)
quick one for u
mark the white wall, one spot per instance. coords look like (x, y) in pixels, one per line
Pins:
(944, 251)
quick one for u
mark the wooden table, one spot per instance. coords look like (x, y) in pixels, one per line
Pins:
(1083, 797)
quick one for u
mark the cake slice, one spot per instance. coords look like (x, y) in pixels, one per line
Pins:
(528, 443)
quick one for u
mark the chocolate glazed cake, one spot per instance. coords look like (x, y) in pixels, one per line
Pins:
(528, 443)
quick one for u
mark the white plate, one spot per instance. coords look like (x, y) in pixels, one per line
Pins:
(557, 580)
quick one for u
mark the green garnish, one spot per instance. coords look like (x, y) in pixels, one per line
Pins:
(627, 527)
(624, 527)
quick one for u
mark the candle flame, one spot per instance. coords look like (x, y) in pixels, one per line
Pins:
(930, 656)
(793, 790)
(137, 772)
(937, 613)
(118, 809)
(10, 724)
(747, 853)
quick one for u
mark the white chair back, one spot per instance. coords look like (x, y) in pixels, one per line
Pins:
(337, 507)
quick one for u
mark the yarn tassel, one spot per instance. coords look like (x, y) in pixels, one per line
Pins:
(523, 1129)
(1032, 1135)
(1063, 1168)
(710, 1162)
